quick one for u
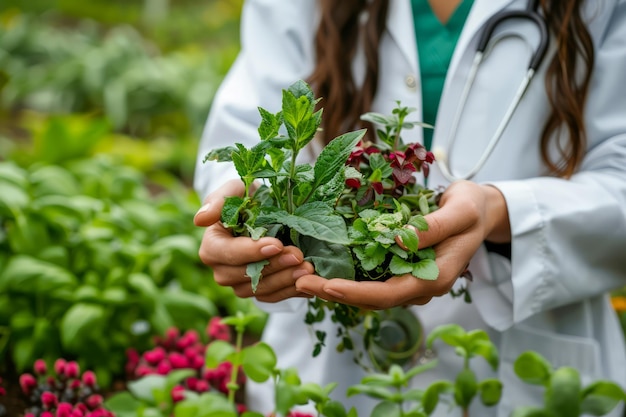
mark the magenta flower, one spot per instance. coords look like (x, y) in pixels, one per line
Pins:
(59, 366)
(178, 360)
(64, 410)
(217, 330)
(202, 386)
(154, 356)
(94, 401)
(178, 393)
(89, 378)
(27, 383)
(49, 400)
(163, 368)
(40, 367)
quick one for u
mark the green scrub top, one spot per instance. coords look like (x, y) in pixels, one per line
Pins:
(436, 42)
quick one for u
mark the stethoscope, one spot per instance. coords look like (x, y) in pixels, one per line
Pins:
(530, 14)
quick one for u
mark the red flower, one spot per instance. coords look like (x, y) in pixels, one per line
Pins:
(94, 401)
(40, 367)
(218, 330)
(64, 410)
(89, 378)
(378, 187)
(27, 383)
(202, 386)
(153, 357)
(59, 366)
(49, 399)
(163, 368)
(72, 370)
(46, 414)
(178, 393)
(178, 360)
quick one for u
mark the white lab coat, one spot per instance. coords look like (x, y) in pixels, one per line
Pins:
(568, 237)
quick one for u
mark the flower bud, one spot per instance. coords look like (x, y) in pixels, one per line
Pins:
(94, 401)
(27, 383)
(163, 368)
(40, 367)
(89, 378)
(217, 330)
(64, 410)
(72, 370)
(202, 386)
(49, 400)
(59, 366)
(178, 360)
(178, 393)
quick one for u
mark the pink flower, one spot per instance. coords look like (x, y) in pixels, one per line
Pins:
(72, 370)
(75, 384)
(241, 408)
(178, 393)
(3, 392)
(178, 360)
(46, 414)
(64, 410)
(154, 356)
(89, 378)
(59, 366)
(197, 362)
(40, 367)
(218, 330)
(94, 401)
(163, 368)
(143, 370)
(188, 339)
(77, 413)
(29, 415)
(171, 335)
(299, 414)
(49, 400)
(202, 386)
(27, 383)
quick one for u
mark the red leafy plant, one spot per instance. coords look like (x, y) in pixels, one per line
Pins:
(62, 391)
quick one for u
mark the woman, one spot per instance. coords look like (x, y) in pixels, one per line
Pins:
(542, 224)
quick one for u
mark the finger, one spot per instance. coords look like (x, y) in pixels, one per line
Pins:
(211, 210)
(219, 247)
(366, 294)
(445, 222)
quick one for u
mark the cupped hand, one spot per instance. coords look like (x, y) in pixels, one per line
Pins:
(228, 256)
(468, 215)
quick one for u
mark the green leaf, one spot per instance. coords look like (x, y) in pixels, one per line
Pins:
(26, 274)
(258, 361)
(399, 266)
(330, 260)
(79, 321)
(217, 352)
(490, 391)
(532, 368)
(409, 239)
(270, 124)
(423, 204)
(123, 404)
(386, 409)
(373, 391)
(23, 353)
(334, 409)
(254, 271)
(220, 155)
(144, 388)
(563, 393)
(334, 156)
(449, 333)
(426, 269)
(465, 388)
(601, 397)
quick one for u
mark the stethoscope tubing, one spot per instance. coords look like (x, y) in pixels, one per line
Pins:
(486, 37)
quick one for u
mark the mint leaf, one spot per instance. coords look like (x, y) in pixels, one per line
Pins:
(253, 270)
(334, 156)
(270, 124)
(221, 154)
(330, 260)
(426, 269)
(399, 266)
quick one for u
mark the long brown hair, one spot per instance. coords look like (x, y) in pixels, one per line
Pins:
(341, 29)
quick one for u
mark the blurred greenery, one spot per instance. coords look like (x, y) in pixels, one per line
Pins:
(101, 108)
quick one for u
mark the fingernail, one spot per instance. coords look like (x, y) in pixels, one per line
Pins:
(299, 273)
(204, 208)
(303, 291)
(288, 260)
(334, 293)
(270, 250)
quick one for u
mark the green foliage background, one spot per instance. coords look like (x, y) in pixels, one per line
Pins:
(101, 106)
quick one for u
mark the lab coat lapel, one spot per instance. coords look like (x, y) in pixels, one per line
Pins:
(400, 27)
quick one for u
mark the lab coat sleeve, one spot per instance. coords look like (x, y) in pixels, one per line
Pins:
(569, 236)
(276, 51)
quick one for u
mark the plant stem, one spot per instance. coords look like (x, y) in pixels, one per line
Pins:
(235, 371)
(291, 181)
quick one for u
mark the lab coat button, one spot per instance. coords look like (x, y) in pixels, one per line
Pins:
(410, 82)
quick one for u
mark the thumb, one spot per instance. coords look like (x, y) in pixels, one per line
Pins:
(211, 210)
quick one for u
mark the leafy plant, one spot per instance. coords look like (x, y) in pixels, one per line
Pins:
(346, 212)
(91, 263)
